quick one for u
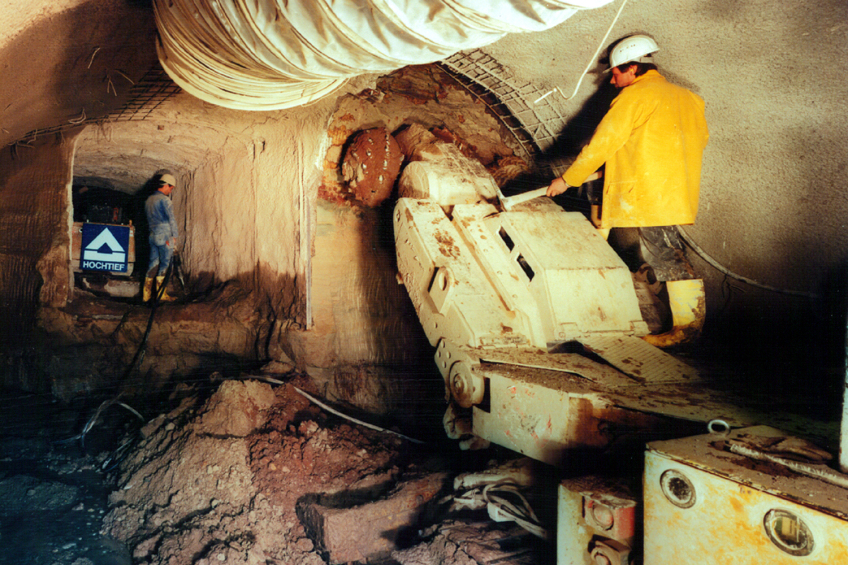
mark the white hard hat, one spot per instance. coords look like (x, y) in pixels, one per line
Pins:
(633, 49)
(167, 179)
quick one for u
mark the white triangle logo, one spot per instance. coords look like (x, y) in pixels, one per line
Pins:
(92, 253)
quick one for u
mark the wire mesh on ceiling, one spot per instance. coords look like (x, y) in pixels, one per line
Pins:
(146, 95)
(534, 123)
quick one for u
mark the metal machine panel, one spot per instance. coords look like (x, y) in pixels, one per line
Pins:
(596, 522)
(640, 360)
(556, 298)
(543, 414)
(449, 291)
(561, 240)
(574, 275)
(484, 279)
(503, 271)
(574, 363)
(526, 417)
(706, 505)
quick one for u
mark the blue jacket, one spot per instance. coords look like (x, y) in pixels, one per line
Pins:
(160, 218)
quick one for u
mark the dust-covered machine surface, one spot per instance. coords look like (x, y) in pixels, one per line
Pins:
(537, 331)
(753, 495)
(535, 320)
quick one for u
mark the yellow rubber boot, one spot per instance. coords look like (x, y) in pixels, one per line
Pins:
(147, 289)
(163, 292)
(688, 305)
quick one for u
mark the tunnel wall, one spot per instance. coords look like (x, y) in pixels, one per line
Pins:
(35, 188)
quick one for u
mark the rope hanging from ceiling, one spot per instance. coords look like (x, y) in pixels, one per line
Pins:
(275, 54)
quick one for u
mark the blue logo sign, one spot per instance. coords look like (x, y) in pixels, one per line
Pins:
(104, 248)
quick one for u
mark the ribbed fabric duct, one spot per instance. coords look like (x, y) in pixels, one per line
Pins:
(274, 54)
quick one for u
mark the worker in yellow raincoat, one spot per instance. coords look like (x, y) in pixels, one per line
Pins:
(651, 142)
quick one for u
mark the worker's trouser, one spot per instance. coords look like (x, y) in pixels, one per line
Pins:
(662, 249)
(160, 257)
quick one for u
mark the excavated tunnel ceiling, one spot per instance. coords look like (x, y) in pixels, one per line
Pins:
(65, 63)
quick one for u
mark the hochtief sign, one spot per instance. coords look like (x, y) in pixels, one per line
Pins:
(104, 248)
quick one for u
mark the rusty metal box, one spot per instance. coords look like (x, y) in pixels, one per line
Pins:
(708, 505)
(596, 521)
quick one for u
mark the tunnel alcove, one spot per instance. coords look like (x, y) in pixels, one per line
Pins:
(95, 201)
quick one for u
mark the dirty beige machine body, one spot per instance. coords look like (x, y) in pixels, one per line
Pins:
(523, 307)
(537, 327)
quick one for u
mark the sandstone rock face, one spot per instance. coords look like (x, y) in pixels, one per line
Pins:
(236, 409)
(34, 234)
(371, 165)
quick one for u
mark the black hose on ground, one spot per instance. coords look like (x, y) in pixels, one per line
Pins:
(139, 355)
(154, 303)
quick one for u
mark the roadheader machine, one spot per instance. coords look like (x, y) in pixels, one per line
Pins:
(538, 334)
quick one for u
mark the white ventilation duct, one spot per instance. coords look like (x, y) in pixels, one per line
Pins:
(274, 54)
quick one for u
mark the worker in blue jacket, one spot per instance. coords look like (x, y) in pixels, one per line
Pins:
(163, 236)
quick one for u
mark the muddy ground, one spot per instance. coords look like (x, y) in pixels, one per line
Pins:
(53, 487)
(230, 481)
(230, 475)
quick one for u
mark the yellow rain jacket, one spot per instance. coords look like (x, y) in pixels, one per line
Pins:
(652, 141)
